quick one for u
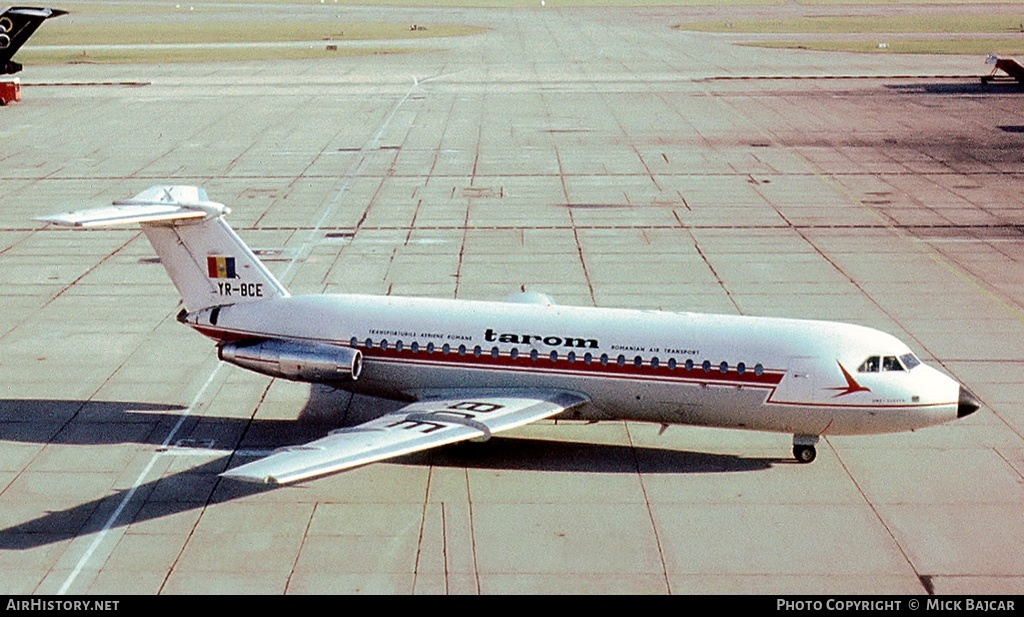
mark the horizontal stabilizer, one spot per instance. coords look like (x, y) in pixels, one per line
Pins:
(122, 215)
(154, 205)
(208, 262)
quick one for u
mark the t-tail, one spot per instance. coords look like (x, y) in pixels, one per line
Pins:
(17, 24)
(208, 262)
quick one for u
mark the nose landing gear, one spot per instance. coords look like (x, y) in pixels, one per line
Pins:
(803, 448)
(804, 454)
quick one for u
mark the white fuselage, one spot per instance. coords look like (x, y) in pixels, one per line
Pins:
(785, 375)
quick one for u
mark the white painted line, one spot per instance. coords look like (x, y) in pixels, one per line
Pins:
(373, 144)
(370, 148)
(176, 451)
(138, 482)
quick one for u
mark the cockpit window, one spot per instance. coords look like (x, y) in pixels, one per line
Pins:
(890, 363)
(870, 365)
(875, 364)
(909, 361)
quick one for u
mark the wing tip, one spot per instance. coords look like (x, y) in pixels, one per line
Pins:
(251, 479)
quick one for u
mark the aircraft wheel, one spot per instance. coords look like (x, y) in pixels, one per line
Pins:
(804, 454)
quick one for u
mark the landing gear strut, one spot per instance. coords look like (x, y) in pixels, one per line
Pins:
(803, 448)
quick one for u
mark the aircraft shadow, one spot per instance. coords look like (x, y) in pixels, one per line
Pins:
(195, 488)
(73, 422)
(958, 88)
(526, 454)
(115, 422)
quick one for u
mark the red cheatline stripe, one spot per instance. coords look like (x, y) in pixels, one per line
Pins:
(544, 364)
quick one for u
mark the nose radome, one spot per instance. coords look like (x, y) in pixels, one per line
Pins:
(968, 403)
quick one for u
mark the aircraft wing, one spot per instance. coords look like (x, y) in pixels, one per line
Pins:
(418, 426)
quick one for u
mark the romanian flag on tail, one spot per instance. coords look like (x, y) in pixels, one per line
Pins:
(220, 267)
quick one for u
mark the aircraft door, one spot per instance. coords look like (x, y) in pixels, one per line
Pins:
(800, 378)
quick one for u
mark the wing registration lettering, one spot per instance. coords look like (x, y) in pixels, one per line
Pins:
(462, 413)
(416, 427)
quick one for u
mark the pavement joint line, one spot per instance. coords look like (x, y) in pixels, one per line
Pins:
(163, 446)
(786, 77)
(897, 230)
(125, 84)
(878, 515)
(135, 487)
(650, 511)
(419, 537)
(939, 258)
(367, 150)
(302, 546)
(936, 255)
(472, 536)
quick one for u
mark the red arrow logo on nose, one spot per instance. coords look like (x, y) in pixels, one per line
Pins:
(851, 384)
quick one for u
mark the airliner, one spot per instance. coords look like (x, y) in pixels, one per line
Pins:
(17, 24)
(470, 369)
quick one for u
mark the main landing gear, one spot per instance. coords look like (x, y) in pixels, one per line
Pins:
(803, 448)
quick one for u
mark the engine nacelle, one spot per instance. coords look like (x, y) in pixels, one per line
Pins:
(312, 362)
(5, 41)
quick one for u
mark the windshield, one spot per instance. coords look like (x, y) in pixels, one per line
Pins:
(909, 361)
(875, 364)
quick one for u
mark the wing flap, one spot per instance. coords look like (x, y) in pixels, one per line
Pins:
(416, 427)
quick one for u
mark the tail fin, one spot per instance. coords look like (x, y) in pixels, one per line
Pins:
(208, 262)
(16, 25)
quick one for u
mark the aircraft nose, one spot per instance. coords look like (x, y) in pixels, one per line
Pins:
(968, 403)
